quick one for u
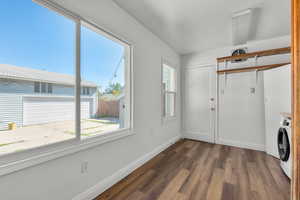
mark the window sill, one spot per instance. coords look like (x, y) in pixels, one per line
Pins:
(37, 157)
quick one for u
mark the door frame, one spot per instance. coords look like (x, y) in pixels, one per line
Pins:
(295, 20)
(213, 93)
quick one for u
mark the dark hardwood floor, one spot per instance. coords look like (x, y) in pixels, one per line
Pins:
(191, 170)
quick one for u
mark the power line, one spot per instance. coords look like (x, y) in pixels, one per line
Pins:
(116, 69)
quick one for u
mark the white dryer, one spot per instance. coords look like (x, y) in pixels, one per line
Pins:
(284, 143)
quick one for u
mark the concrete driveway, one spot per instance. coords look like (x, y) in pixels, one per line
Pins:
(38, 135)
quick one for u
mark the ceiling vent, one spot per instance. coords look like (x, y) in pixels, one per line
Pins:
(242, 25)
(237, 52)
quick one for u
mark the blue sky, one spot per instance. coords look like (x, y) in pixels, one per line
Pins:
(35, 37)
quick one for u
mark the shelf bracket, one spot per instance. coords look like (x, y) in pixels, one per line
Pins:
(225, 75)
(256, 76)
(256, 71)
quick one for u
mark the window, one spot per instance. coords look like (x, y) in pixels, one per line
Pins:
(43, 86)
(169, 91)
(105, 83)
(94, 103)
(85, 90)
(37, 87)
(50, 88)
(36, 46)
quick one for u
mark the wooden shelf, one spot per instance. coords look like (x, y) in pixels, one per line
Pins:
(286, 115)
(248, 69)
(256, 54)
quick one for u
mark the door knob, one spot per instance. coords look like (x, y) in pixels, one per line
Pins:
(212, 109)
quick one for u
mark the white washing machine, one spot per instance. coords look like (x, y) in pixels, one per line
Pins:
(284, 143)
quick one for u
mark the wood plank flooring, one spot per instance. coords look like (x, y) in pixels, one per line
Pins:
(192, 170)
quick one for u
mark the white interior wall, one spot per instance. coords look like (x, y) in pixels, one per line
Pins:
(61, 179)
(277, 89)
(241, 116)
(241, 113)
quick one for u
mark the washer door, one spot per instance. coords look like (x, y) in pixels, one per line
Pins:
(283, 144)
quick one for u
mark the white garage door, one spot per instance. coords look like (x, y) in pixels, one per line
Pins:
(39, 110)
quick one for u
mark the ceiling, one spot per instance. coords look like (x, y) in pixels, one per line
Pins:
(197, 25)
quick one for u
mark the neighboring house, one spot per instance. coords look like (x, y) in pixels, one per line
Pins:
(29, 96)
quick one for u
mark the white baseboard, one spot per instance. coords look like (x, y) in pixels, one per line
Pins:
(244, 145)
(105, 184)
(197, 136)
(271, 153)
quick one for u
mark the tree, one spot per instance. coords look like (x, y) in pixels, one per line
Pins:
(114, 88)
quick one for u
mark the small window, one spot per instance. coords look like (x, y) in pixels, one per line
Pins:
(83, 91)
(43, 86)
(37, 87)
(169, 91)
(50, 88)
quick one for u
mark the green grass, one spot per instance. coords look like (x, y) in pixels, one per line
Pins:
(89, 128)
(102, 121)
(6, 144)
(84, 134)
(73, 133)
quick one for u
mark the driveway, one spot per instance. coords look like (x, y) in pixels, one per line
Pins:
(38, 135)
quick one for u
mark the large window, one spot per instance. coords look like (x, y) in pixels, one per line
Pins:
(105, 83)
(169, 91)
(51, 91)
(37, 50)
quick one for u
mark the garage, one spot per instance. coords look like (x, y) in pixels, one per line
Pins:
(40, 110)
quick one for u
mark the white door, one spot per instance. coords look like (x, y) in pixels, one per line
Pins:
(199, 103)
(39, 110)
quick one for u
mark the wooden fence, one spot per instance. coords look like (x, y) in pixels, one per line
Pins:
(108, 108)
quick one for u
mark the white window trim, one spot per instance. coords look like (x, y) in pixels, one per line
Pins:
(168, 118)
(13, 162)
(40, 83)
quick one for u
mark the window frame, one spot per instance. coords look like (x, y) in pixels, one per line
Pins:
(36, 87)
(49, 88)
(164, 92)
(44, 87)
(39, 89)
(128, 72)
(85, 90)
(15, 161)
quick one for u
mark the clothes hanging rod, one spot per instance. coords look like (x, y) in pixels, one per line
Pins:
(248, 69)
(286, 115)
(270, 52)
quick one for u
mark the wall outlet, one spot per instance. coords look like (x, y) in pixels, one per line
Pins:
(84, 167)
(252, 90)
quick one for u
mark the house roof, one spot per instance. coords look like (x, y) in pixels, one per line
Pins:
(29, 74)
